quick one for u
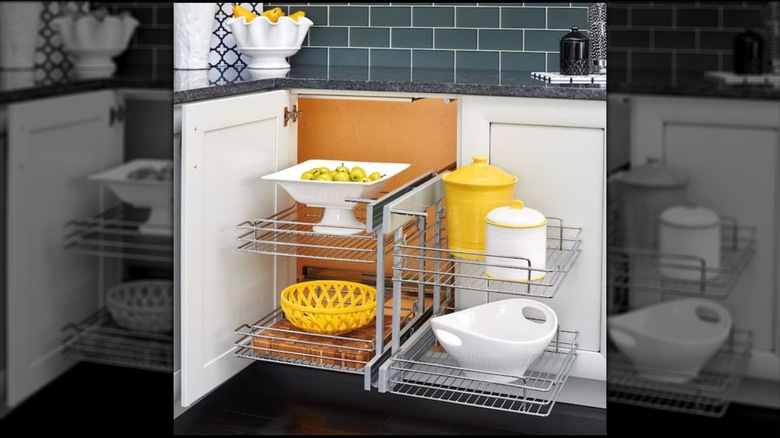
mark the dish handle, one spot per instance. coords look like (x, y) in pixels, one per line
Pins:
(447, 339)
(551, 319)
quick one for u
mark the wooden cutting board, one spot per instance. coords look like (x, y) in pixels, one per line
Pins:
(294, 343)
(331, 351)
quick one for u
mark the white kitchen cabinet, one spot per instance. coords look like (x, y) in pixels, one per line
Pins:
(557, 149)
(228, 144)
(52, 145)
(730, 151)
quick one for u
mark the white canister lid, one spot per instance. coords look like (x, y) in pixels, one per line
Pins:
(689, 216)
(516, 215)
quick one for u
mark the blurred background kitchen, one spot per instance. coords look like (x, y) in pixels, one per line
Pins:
(694, 162)
(86, 311)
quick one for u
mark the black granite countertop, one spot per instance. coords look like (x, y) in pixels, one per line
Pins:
(19, 86)
(696, 85)
(217, 82)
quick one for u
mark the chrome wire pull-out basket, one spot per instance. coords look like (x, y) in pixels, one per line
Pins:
(115, 233)
(708, 394)
(99, 339)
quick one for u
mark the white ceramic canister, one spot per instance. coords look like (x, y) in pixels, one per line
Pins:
(520, 233)
(692, 231)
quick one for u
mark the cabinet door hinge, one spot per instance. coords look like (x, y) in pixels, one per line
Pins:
(291, 116)
(116, 115)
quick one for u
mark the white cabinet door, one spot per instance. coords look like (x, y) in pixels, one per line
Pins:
(730, 152)
(53, 146)
(227, 146)
(557, 149)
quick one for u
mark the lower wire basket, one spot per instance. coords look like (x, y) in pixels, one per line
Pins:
(99, 339)
(425, 370)
(709, 394)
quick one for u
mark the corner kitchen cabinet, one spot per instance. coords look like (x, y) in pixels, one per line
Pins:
(555, 146)
(729, 148)
(53, 144)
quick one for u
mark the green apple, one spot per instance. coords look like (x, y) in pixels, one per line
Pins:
(307, 175)
(325, 177)
(324, 170)
(357, 173)
(374, 176)
(341, 177)
(342, 169)
(316, 171)
(365, 179)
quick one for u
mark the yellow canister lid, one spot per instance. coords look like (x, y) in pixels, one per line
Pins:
(479, 173)
(516, 215)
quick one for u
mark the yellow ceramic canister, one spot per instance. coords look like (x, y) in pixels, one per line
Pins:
(470, 193)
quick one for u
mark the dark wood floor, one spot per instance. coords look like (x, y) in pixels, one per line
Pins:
(739, 420)
(92, 399)
(275, 399)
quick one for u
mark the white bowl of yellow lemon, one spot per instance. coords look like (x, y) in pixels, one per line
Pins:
(269, 38)
(333, 185)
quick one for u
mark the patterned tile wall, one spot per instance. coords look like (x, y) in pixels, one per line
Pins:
(51, 61)
(668, 42)
(458, 36)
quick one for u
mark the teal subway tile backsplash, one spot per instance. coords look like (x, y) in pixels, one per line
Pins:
(483, 17)
(433, 59)
(391, 16)
(418, 38)
(348, 57)
(317, 14)
(348, 16)
(412, 38)
(514, 61)
(524, 18)
(465, 60)
(433, 16)
(561, 18)
(328, 36)
(543, 40)
(369, 37)
(500, 39)
(455, 38)
(391, 58)
(312, 56)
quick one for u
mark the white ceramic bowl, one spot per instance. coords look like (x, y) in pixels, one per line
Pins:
(338, 217)
(92, 44)
(273, 58)
(152, 193)
(269, 44)
(496, 337)
(673, 340)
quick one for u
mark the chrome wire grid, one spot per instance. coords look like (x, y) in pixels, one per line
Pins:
(426, 264)
(640, 270)
(99, 339)
(424, 370)
(707, 394)
(115, 233)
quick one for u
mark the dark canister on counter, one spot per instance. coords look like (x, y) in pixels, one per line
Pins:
(574, 52)
(748, 53)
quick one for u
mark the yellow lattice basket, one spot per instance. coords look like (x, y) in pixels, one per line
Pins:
(329, 307)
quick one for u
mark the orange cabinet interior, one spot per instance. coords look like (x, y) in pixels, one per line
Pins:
(422, 133)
